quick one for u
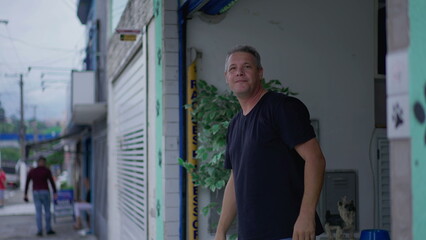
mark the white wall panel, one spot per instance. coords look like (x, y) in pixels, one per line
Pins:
(129, 96)
(151, 132)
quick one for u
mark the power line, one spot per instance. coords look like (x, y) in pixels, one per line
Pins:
(13, 44)
(53, 73)
(61, 56)
(8, 67)
(38, 46)
(50, 68)
(78, 55)
(46, 60)
(61, 59)
(5, 22)
(71, 7)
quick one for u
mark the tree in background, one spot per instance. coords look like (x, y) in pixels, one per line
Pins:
(10, 154)
(12, 125)
(56, 158)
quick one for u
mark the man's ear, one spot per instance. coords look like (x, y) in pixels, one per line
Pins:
(260, 73)
(226, 78)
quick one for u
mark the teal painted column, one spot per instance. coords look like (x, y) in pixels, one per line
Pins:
(417, 76)
(158, 13)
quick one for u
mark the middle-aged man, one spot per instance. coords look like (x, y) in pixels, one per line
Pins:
(277, 166)
(40, 176)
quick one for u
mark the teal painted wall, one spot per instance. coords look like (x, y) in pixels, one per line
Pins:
(158, 13)
(417, 76)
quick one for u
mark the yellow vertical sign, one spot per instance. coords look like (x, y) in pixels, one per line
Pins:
(191, 133)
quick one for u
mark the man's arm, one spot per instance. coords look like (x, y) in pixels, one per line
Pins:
(229, 209)
(52, 183)
(27, 183)
(310, 151)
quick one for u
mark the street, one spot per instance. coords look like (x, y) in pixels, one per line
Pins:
(17, 221)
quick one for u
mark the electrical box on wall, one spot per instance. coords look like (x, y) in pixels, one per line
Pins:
(338, 184)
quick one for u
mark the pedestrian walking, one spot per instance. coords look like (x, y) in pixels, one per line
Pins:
(2, 186)
(277, 166)
(40, 176)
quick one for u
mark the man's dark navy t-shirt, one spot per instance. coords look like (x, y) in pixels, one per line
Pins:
(268, 172)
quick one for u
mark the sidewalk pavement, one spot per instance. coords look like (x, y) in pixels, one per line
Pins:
(17, 221)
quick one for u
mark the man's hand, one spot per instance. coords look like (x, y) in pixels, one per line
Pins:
(229, 209)
(55, 196)
(304, 228)
(310, 151)
(25, 198)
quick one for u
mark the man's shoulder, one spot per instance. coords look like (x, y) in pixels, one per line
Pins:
(281, 99)
(46, 169)
(281, 96)
(39, 169)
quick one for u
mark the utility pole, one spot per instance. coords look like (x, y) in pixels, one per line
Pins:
(22, 125)
(35, 129)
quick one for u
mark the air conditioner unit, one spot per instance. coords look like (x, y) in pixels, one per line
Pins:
(84, 108)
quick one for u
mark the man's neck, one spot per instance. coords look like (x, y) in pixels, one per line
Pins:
(247, 104)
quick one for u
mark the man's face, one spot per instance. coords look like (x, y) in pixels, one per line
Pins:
(41, 162)
(242, 75)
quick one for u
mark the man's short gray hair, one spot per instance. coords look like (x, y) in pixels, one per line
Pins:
(246, 49)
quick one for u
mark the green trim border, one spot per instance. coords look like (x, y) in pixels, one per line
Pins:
(417, 78)
(158, 14)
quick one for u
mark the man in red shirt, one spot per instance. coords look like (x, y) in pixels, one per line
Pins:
(2, 186)
(40, 176)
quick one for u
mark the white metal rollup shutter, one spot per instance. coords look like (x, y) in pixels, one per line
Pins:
(129, 99)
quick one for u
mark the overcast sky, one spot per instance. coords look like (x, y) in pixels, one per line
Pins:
(47, 36)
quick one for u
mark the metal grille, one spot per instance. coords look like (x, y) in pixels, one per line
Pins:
(129, 99)
(383, 175)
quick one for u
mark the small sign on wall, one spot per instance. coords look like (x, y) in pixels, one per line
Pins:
(397, 72)
(128, 34)
(398, 113)
(398, 99)
(127, 37)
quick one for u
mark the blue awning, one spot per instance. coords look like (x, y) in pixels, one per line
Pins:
(28, 137)
(215, 7)
(210, 7)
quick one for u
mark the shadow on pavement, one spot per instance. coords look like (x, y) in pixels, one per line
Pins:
(17, 221)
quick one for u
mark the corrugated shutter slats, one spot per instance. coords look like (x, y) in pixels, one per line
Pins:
(129, 99)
